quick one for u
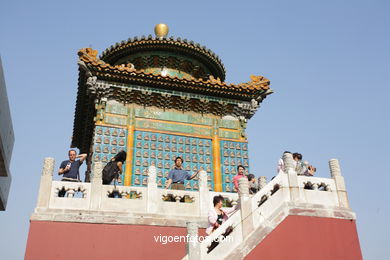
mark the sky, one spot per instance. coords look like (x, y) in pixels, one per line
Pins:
(328, 62)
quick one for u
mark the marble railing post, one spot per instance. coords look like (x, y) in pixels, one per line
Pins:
(335, 171)
(152, 198)
(193, 246)
(46, 182)
(204, 194)
(245, 206)
(96, 186)
(289, 169)
(262, 182)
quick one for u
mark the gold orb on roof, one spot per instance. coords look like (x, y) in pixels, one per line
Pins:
(161, 30)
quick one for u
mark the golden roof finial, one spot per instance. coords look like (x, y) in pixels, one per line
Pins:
(161, 30)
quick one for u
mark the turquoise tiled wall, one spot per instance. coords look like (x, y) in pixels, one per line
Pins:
(161, 150)
(232, 155)
(108, 141)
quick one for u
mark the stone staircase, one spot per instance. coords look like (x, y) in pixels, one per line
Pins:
(286, 195)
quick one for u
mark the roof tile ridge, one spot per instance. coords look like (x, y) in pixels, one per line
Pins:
(89, 55)
(168, 40)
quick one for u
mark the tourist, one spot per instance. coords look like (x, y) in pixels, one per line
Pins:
(113, 169)
(70, 168)
(178, 175)
(298, 163)
(218, 215)
(308, 170)
(240, 174)
(253, 186)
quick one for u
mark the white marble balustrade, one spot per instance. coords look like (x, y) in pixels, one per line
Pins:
(75, 193)
(125, 199)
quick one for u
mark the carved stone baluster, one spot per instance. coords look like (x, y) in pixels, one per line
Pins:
(193, 246)
(334, 167)
(97, 172)
(203, 194)
(70, 193)
(96, 186)
(246, 207)
(153, 201)
(83, 191)
(339, 181)
(46, 183)
(262, 182)
(288, 162)
(292, 177)
(243, 187)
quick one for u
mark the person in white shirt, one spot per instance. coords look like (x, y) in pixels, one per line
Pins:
(218, 215)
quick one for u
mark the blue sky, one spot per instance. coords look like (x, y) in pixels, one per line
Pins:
(328, 62)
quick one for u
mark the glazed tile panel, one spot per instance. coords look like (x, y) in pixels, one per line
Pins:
(108, 141)
(232, 155)
(160, 150)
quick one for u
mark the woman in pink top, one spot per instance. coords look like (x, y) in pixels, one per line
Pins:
(217, 215)
(240, 174)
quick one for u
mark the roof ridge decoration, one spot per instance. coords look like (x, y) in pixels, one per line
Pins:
(257, 83)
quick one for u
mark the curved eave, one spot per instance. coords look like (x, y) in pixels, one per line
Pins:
(244, 91)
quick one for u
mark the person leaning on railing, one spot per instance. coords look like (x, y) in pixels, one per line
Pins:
(178, 175)
(218, 215)
(253, 185)
(307, 169)
(70, 168)
(112, 172)
(303, 167)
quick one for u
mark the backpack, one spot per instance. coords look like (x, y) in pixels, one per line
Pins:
(110, 171)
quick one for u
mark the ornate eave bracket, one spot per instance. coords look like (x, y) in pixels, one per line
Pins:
(99, 90)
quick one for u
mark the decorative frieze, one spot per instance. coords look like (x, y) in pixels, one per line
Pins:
(229, 134)
(172, 127)
(151, 97)
(113, 120)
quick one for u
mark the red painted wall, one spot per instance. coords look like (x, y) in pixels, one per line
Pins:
(297, 237)
(61, 240)
(307, 238)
